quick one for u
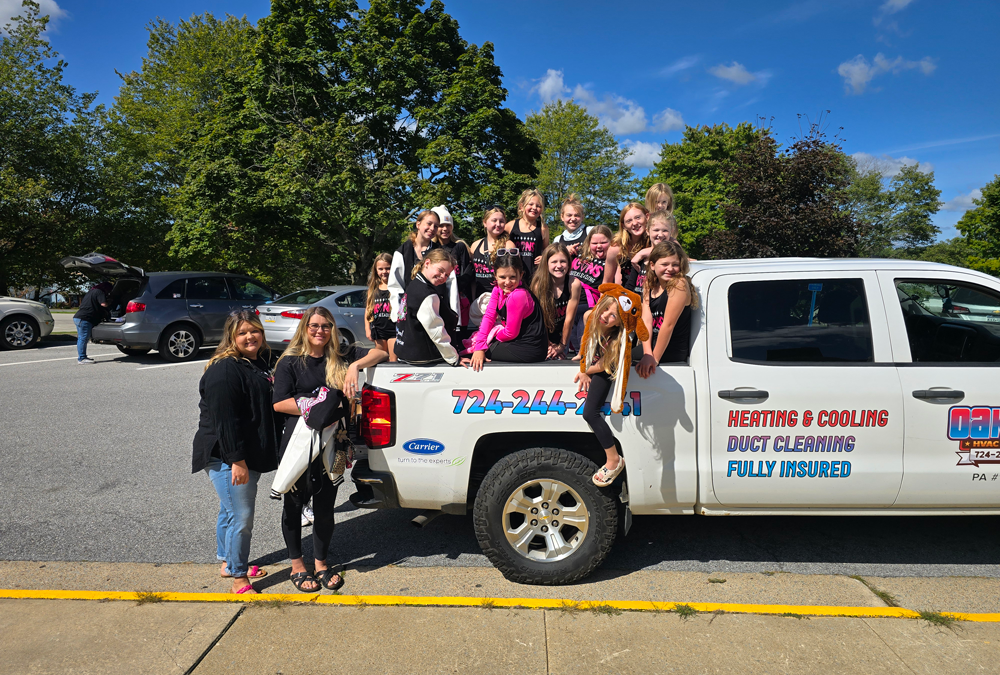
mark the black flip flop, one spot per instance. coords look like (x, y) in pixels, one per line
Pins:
(325, 576)
(302, 577)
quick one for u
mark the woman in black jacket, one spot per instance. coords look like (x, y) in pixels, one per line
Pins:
(237, 438)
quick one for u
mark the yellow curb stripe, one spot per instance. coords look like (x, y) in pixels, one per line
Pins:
(523, 603)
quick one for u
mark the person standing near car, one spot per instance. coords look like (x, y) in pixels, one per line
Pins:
(237, 438)
(314, 359)
(93, 310)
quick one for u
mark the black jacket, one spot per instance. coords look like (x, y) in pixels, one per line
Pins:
(237, 418)
(426, 325)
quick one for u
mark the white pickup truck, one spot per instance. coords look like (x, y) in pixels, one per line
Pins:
(814, 387)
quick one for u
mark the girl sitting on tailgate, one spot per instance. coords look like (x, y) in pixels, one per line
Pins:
(484, 257)
(662, 227)
(667, 300)
(426, 323)
(558, 295)
(529, 232)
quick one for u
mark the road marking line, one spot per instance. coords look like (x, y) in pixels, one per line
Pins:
(523, 603)
(64, 358)
(170, 365)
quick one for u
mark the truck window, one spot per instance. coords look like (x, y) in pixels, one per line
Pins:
(800, 320)
(950, 322)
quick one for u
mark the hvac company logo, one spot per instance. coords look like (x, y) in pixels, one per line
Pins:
(424, 446)
(977, 429)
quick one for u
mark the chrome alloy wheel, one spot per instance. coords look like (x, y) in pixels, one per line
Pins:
(181, 343)
(545, 520)
(19, 333)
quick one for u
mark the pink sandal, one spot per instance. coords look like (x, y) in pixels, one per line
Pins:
(253, 573)
(605, 476)
(246, 589)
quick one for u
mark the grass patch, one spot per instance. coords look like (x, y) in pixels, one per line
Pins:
(886, 597)
(685, 611)
(148, 597)
(488, 603)
(712, 580)
(793, 615)
(937, 618)
(360, 603)
(603, 608)
(272, 603)
(570, 606)
(768, 573)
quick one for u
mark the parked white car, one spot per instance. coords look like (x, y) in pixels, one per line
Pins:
(23, 323)
(347, 304)
(814, 387)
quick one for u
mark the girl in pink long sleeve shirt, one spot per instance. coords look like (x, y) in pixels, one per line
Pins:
(513, 328)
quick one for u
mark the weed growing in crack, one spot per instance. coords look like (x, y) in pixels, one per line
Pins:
(685, 611)
(602, 608)
(937, 618)
(888, 598)
(148, 597)
(712, 580)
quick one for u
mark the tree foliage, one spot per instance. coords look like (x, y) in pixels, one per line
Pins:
(51, 146)
(981, 228)
(694, 168)
(580, 156)
(894, 210)
(786, 203)
(349, 122)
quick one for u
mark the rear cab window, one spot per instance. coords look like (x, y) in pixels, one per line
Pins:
(948, 321)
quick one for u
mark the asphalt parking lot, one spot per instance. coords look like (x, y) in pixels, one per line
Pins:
(96, 467)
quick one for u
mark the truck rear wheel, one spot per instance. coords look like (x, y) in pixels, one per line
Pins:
(540, 519)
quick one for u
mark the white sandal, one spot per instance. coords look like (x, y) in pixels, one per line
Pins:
(605, 476)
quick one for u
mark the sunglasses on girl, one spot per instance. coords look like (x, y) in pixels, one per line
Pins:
(507, 251)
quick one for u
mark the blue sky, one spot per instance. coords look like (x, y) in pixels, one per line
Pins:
(908, 80)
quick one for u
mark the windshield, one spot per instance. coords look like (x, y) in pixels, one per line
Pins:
(309, 296)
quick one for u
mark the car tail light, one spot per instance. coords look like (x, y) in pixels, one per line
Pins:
(134, 306)
(959, 309)
(378, 417)
(288, 314)
(256, 311)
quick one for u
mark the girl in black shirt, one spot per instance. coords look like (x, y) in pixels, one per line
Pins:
(314, 358)
(237, 438)
(378, 310)
(667, 299)
(558, 296)
(529, 232)
(425, 325)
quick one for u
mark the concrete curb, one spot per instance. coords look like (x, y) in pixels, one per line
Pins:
(487, 603)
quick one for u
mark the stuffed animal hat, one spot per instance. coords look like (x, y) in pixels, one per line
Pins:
(630, 315)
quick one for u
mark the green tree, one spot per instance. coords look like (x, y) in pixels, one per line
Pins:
(787, 203)
(51, 150)
(981, 227)
(694, 169)
(349, 122)
(895, 212)
(579, 155)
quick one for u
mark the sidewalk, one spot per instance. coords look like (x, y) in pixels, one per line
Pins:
(583, 631)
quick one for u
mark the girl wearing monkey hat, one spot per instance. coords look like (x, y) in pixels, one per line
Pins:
(605, 362)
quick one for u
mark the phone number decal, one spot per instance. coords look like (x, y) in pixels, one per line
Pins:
(476, 402)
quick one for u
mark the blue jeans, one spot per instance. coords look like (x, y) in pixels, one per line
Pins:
(235, 524)
(83, 328)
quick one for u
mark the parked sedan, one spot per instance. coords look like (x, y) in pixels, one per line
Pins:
(23, 323)
(346, 303)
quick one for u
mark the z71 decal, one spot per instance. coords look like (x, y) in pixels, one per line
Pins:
(524, 403)
(417, 377)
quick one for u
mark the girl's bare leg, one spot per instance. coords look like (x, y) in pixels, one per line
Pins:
(392, 348)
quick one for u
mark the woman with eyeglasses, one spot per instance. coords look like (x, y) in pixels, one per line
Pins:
(314, 358)
(237, 438)
(484, 258)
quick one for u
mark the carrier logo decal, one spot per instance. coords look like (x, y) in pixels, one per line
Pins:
(417, 377)
(977, 430)
(424, 446)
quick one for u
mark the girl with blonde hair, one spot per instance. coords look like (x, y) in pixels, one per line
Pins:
(426, 323)
(237, 438)
(410, 253)
(662, 227)
(378, 310)
(484, 259)
(572, 215)
(667, 300)
(528, 231)
(314, 359)
(631, 238)
(659, 197)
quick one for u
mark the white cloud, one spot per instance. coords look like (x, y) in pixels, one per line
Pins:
(679, 65)
(620, 115)
(551, 86)
(11, 8)
(736, 73)
(858, 72)
(888, 165)
(668, 120)
(962, 202)
(644, 155)
(893, 6)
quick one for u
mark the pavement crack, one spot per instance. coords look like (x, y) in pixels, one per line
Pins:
(218, 637)
(905, 664)
(545, 626)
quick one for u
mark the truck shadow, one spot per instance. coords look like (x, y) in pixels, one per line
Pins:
(873, 545)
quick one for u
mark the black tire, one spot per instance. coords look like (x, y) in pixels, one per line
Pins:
(346, 337)
(180, 342)
(18, 332)
(583, 553)
(133, 351)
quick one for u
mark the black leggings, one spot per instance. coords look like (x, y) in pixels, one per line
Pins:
(600, 386)
(516, 351)
(324, 496)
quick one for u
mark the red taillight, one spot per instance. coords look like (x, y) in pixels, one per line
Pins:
(256, 311)
(959, 309)
(288, 314)
(378, 410)
(134, 306)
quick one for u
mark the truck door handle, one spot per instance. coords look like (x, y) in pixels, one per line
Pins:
(247, 306)
(196, 306)
(931, 394)
(743, 394)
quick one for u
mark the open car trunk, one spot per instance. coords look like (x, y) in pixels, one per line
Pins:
(129, 281)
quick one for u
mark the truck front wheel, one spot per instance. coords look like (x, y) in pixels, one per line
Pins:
(540, 519)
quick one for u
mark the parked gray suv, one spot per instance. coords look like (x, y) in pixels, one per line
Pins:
(175, 313)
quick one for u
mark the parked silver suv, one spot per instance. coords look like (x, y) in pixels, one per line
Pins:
(175, 313)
